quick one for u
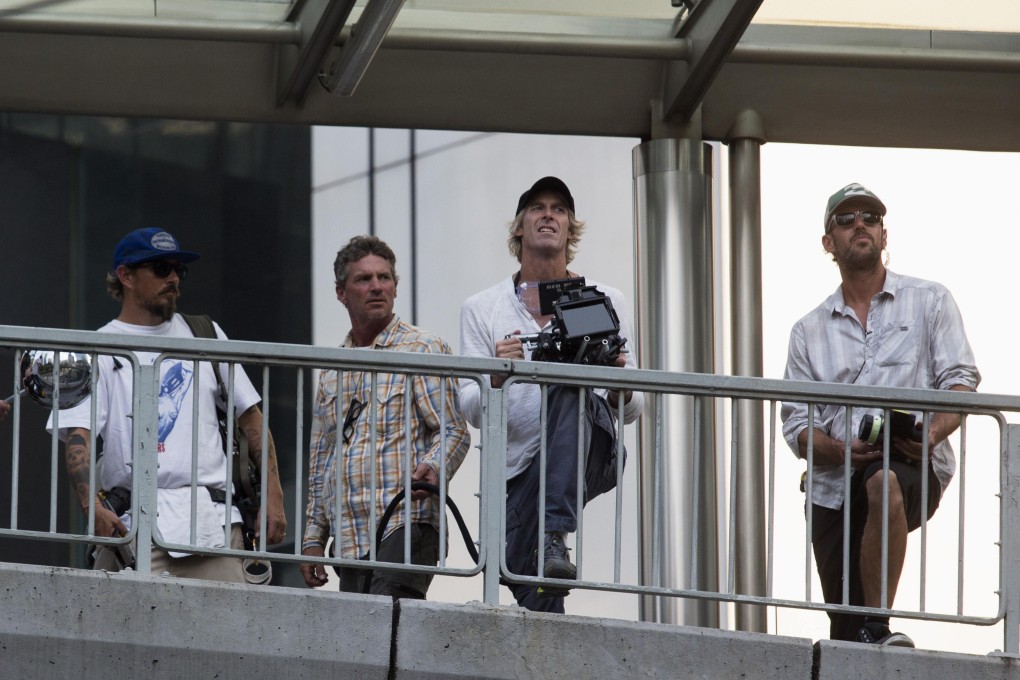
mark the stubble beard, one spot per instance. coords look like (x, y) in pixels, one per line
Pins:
(164, 309)
(855, 259)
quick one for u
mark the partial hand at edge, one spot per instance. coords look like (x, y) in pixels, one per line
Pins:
(423, 473)
(314, 574)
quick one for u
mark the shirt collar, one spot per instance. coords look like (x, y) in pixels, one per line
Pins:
(890, 287)
(385, 338)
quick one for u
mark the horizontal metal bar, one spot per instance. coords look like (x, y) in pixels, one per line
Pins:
(765, 601)
(877, 57)
(507, 42)
(450, 40)
(697, 384)
(279, 32)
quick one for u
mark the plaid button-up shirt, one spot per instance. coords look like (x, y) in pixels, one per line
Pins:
(395, 392)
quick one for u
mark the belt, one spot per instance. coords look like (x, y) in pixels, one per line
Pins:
(220, 496)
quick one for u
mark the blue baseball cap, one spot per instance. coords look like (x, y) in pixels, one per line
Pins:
(145, 245)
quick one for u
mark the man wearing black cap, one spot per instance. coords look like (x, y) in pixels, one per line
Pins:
(543, 237)
(877, 328)
(148, 267)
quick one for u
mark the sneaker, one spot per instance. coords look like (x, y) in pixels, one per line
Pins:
(875, 633)
(557, 558)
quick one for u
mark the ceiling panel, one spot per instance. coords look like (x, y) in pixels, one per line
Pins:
(542, 67)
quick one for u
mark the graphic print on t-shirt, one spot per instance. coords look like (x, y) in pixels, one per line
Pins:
(175, 384)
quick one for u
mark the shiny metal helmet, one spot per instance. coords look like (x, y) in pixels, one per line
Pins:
(41, 369)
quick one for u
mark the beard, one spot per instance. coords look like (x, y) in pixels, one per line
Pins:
(163, 307)
(857, 258)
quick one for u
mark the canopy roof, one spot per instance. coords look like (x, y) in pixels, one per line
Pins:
(926, 76)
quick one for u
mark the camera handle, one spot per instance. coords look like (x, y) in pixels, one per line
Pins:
(529, 340)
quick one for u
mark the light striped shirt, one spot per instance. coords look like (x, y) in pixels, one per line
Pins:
(395, 392)
(915, 338)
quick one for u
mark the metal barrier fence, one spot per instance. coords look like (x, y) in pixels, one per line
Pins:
(981, 555)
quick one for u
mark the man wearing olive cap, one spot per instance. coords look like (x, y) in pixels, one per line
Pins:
(878, 328)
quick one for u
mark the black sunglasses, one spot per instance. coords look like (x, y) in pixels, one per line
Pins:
(162, 268)
(869, 217)
(353, 413)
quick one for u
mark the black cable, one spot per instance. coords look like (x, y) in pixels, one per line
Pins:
(391, 508)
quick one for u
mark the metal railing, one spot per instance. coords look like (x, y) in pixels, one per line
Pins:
(966, 539)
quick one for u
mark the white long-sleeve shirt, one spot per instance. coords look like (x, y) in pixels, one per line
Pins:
(491, 315)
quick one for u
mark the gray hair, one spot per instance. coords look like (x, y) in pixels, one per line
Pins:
(357, 248)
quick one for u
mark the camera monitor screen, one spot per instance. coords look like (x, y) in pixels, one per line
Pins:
(549, 292)
(592, 318)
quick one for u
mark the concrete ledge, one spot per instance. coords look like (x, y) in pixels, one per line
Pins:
(842, 660)
(438, 640)
(65, 623)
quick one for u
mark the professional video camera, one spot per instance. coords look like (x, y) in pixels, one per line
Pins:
(584, 330)
(901, 424)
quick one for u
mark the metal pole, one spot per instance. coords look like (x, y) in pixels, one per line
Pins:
(144, 461)
(675, 330)
(493, 507)
(1010, 560)
(746, 347)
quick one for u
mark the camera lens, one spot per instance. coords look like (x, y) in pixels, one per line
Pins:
(870, 430)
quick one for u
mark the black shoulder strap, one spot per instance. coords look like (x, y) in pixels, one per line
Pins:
(202, 327)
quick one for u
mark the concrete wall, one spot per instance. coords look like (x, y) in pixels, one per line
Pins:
(62, 623)
(482, 641)
(842, 660)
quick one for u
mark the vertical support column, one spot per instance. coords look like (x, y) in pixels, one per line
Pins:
(1010, 560)
(745, 140)
(679, 537)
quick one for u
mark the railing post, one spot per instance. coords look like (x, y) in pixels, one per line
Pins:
(145, 462)
(493, 466)
(1009, 578)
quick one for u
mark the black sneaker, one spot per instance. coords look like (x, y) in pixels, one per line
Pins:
(875, 633)
(557, 558)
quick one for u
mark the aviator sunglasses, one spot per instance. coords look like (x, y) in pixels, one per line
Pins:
(162, 268)
(869, 217)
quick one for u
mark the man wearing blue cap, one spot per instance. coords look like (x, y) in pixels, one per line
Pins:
(543, 237)
(148, 267)
(877, 328)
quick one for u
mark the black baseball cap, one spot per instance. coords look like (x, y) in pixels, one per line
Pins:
(553, 184)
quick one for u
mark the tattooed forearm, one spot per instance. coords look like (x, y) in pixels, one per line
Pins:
(76, 457)
(251, 422)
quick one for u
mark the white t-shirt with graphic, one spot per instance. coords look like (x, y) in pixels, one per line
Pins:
(174, 448)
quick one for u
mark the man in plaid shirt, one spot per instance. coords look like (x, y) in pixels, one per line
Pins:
(366, 284)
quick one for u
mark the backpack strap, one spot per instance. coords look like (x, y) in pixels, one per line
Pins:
(201, 326)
